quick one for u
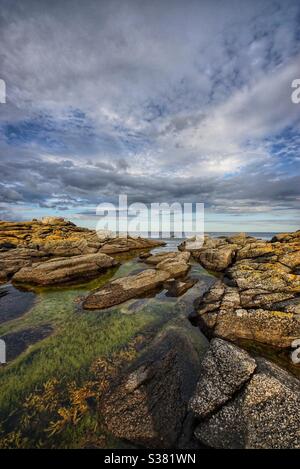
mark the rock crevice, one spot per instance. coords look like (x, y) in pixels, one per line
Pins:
(24, 244)
(261, 411)
(258, 297)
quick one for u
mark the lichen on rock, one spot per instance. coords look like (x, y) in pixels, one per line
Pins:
(258, 297)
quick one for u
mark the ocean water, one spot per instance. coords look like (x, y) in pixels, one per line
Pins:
(77, 341)
(172, 243)
(267, 235)
(260, 235)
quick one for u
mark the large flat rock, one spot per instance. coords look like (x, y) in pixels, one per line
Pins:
(125, 288)
(176, 263)
(119, 245)
(177, 266)
(13, 260)
(63, 270)
(217, 259)
(122, 289)
(155, 259)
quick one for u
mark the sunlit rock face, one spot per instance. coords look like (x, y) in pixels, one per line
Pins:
(64, 270)
(25, 243)
(126, 288)
(258, 297)
(166, 267)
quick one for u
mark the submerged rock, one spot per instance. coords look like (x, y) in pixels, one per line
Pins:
(147, 404)
(126, 288)
(63, 270)
(19, 341)
(14, 302)
(263, 410)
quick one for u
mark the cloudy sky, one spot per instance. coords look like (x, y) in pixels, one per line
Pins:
(165, 101)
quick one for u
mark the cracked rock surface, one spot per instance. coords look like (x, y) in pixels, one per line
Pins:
(258, 297)
(224, 369)
(64, 270)
(147, 281)
(23, 244)
(263, 411)
(148, 404)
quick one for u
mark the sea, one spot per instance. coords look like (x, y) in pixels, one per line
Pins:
(172, 243)
(260, 235)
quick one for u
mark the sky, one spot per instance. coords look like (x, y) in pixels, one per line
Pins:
(164, 101)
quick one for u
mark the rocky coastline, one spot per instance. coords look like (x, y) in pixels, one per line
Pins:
(231, 399)
(184, 389)
(54, 251)
(258, 295)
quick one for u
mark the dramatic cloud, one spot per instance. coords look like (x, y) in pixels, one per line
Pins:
(162, 100)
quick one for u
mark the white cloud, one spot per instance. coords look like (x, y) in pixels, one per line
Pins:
(188, 97)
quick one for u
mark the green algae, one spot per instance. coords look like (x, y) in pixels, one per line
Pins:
(78, 336)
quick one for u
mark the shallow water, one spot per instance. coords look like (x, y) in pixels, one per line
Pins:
(53, 338)
(18, 341)
(14, 302)
(72, 338)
